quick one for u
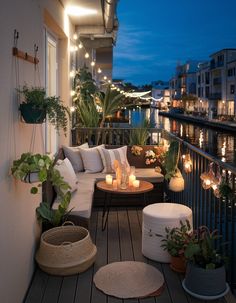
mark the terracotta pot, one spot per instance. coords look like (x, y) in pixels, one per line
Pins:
(178, 264)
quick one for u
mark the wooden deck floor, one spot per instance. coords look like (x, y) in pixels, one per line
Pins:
(120, 241)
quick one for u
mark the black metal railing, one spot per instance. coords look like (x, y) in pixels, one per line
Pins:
(207, 209)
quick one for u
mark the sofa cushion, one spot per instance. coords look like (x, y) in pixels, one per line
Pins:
(149, 174)
(65, 168)
(91, 159)
(109, 155)
(73, 154)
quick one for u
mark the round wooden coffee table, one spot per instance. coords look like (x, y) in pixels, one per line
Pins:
(144, 187)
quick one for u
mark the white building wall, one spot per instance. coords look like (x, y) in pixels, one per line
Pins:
(19, 230)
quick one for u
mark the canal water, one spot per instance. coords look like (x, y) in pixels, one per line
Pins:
(220, 144)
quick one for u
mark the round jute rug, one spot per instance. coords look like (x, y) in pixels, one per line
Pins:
(129, 279)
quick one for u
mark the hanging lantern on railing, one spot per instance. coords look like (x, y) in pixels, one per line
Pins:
(216, 184)
(187, 163)
(207, 178)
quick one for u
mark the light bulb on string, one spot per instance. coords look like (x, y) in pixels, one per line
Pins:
(86, 55)
(75, 36)
(80, 45)
(109, 81)
(72, 109)
(105, 77)
(99, 70)
(92, 63)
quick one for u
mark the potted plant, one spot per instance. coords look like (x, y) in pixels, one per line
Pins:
(172, 172)
(42, 167)
(205, 264)
(175, 242)
(36, 106)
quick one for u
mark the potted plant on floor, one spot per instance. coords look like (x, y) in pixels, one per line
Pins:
(40, 168)
(36, 106)
(175, 242)
(205, 264)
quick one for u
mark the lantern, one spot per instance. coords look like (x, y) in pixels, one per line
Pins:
(187, 163)
(177, 182)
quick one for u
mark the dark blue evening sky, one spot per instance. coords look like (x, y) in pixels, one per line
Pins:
(155, 35)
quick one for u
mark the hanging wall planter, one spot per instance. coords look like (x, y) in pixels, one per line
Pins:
(36, 105)
(32, 114)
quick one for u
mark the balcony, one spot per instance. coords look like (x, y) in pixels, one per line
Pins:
(215, 96)
(123, 237)
(217, 81)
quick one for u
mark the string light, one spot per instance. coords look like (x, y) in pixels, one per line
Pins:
(72, 93)
(86, 55)
(75, 36)
(72, 109)
(72, 74)
(80, 45)
(105, 77)
(92, 63)
(99, 70)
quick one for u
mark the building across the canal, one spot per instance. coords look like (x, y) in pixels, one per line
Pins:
(207, 88)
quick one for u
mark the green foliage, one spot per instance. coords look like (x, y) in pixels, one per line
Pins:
(202, 251)
(177, 238)
(89, 116)
(171, 160)
(84, 86)
(29, 163)
(110, 102)
(139, 136)
(57, 113)
(44, 167)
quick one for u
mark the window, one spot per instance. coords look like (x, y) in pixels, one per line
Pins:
(220, 60)
(231, 72)
(199, 91)
(207, 91)
(207, 77)
(199, 79)
(232, 89)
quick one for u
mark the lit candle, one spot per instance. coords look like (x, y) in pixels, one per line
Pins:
(115, 184)
(136, 183)
(132, 178)
(108, 179)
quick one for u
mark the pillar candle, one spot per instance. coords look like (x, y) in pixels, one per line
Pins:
(132, 178)
(136, 183)
(108, 179)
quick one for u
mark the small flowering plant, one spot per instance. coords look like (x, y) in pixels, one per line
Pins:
(136, 150)
(150, 157)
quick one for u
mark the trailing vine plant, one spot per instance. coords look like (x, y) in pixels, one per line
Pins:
(43, 165)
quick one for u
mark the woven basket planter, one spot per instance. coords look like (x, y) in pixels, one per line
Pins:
(66, 250)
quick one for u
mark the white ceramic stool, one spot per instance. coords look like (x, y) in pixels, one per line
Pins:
(156, 217)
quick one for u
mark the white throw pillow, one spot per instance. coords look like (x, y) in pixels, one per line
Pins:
(92, 160)
(109, 155)
(73, 154)
(67, 172)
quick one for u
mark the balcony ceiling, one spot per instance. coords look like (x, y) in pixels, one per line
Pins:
(87, 20)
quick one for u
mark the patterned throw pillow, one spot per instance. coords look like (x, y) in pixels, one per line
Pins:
(109, 155)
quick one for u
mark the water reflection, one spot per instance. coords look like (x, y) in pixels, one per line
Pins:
(219, 144)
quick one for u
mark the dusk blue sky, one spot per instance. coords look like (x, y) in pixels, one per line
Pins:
(155, 35)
